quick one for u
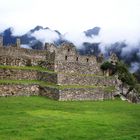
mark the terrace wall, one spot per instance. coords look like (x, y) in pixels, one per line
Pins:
(14, 74)
(84, 94)
(18, 90)
(77, 79)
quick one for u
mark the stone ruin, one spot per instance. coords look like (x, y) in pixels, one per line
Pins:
(68, 75)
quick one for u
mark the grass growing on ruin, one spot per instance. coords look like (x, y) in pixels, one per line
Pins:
(107, 89)
(88, 75)
(37, 68)
(38, 118)
(52, 85)
(41, 69)
(28, 82)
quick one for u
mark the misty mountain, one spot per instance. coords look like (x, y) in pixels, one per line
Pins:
(7, 37)
(127, 56)
(26, 39)
(90, 49)
(92, 32)
(36, 37)
(37, 28)
(31, 41)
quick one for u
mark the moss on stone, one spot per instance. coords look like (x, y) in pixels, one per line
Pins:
(52, 85)
(109, 89)
(77, 86)
(36, 68)
(27, 82)
(88, 75)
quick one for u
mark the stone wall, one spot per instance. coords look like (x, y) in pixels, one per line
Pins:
(28, 90)
(12, 51)
(55, 93)
(50, 61)
(48, 65)
(1, 41)
(50, 47)
(84, 94)
(66, 53)
(71, 94)
(19, 90)
(20, 56)
(19, 61)
(77, 79)
(77, 67)
(14, 74)
(47, 77)
(71, 68)
(68, 60)
(12, 61)
(52, 93)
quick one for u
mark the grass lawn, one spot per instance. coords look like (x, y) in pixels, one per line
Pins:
(38, 118)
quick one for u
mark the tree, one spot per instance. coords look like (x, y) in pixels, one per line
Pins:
(108, 66)
(123, 74)
(126, 77)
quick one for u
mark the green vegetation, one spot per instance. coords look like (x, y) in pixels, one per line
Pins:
(106, 65)
(29, 82)
(37, 68)
(109, 89)
(38, 118)
(138, 88)
(41, 69)
(52, 85)
(123, 74)
(89, 75)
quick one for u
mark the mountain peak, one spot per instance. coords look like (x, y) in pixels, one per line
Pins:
(37, 28)
(94, 31)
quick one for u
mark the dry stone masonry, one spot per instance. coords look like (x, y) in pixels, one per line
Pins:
(68, 75)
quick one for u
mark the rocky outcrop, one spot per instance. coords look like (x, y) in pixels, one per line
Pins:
(125, 93)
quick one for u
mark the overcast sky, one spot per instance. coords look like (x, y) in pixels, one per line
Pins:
(70, 15)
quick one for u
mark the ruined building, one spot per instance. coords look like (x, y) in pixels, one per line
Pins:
(56, 72)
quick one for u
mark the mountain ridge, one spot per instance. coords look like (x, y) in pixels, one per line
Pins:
(30, 40)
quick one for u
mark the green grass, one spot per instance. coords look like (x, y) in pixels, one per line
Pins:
(41, 69)
(28, 82)
(37, 68)
(52, 85)
(88, 75)
(38, 118)
(109, 89)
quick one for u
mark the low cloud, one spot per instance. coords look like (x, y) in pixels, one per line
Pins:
(46, 35)
(124, 42)
(25, 46)
(108, 37)
(134, 67)
(79, 38)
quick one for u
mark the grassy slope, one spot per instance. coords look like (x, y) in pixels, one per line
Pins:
(51, 85)
(37, 118)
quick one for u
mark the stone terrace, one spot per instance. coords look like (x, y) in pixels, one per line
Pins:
(56, 72)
